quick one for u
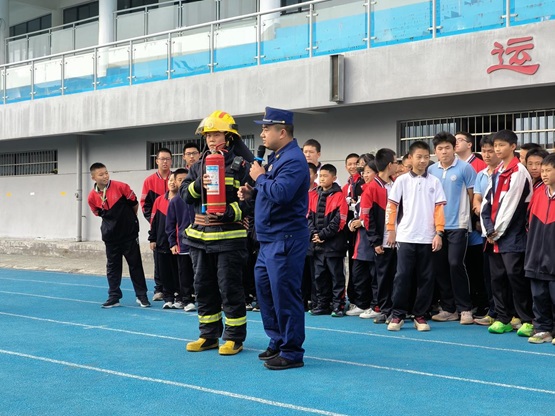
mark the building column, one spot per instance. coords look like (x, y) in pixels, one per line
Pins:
(106, 31)
(4, 29)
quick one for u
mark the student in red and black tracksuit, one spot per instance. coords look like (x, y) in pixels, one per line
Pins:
(179, 217)
(539, 263)
(308, 289)
(362, 277)
(154, 186)
(218, 242)
(503, 217)
(373, 206)
(117, 205)
(352, 191)
(326, 220)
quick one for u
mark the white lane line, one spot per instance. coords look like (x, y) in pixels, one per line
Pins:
(89, 326)
(431, 341)
(61, 283)
(442, 376)
(329, 360)
(131, 307)
(173, 383)
(315, 328)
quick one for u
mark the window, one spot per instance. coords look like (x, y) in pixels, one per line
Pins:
(81, 12)
(530, 126)
(40, 23)
(39, 162)
(176, 147)
(129, 4)
(285, 3)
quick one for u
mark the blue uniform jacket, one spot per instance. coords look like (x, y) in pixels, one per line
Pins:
(180, 216)
(282, 196)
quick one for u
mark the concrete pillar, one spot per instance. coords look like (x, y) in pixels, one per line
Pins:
(106, 32)
(267, 20)
(4, 29)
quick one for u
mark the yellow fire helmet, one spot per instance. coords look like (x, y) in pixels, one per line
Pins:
(218, 121)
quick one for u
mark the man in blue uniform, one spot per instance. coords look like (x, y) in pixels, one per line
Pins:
(281, 203)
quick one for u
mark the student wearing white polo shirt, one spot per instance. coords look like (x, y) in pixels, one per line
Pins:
(457, 178)
(416, 204)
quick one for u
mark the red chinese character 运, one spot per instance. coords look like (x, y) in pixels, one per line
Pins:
(519, 56)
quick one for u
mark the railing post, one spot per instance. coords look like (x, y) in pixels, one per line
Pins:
(63, 75)
(130, 62)
(95, 69)
(211, 47)
(310, 33)
(258, 39)
(434, 18)
(4, 87)
(32, 80)
(169, 60)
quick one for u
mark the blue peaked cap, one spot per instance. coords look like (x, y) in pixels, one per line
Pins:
(276, 116)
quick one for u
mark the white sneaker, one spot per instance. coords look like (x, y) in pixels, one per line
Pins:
(369, 314)
(158, 296)
(395, 324)
(354, 310)
(445, 316)
(190, 307)
(178, 305)
(167, 305)
(466, 318)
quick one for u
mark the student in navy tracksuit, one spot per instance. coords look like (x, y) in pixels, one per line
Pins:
(180, 215)
(281, 204)
(327, 217)
(117, 205)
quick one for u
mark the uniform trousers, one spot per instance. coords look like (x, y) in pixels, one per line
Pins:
(278, 275)
(219, 284)
(386, 266)
(450, 271)
(363, 276)
(543, 294)
(167, 270)
(414, 271)
(507, 274)
(186, 278)
(329, 279)
(131, 251)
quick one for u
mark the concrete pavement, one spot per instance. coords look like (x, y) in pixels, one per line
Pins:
(63, 256)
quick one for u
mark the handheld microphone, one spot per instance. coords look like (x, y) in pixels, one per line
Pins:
(260, 154)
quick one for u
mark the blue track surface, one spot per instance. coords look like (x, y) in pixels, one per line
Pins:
(61, 354)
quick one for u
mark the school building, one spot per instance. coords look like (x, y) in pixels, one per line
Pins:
(113, 80)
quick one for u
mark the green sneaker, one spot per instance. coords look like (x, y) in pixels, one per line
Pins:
(526, 330)
(499, 327)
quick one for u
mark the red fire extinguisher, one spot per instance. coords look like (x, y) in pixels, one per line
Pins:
(215, 191)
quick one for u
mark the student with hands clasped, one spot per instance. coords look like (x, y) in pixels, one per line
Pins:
(419, 233)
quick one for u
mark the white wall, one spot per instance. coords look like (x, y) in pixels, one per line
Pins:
(51, 211)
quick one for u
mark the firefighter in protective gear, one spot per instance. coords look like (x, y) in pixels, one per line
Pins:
(218, 242)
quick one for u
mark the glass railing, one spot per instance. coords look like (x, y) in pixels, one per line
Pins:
(318, 27)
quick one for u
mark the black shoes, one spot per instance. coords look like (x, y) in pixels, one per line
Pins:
(111, 303)
(280, 363)
(319, 311)
(143, 301)
(268, 354)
